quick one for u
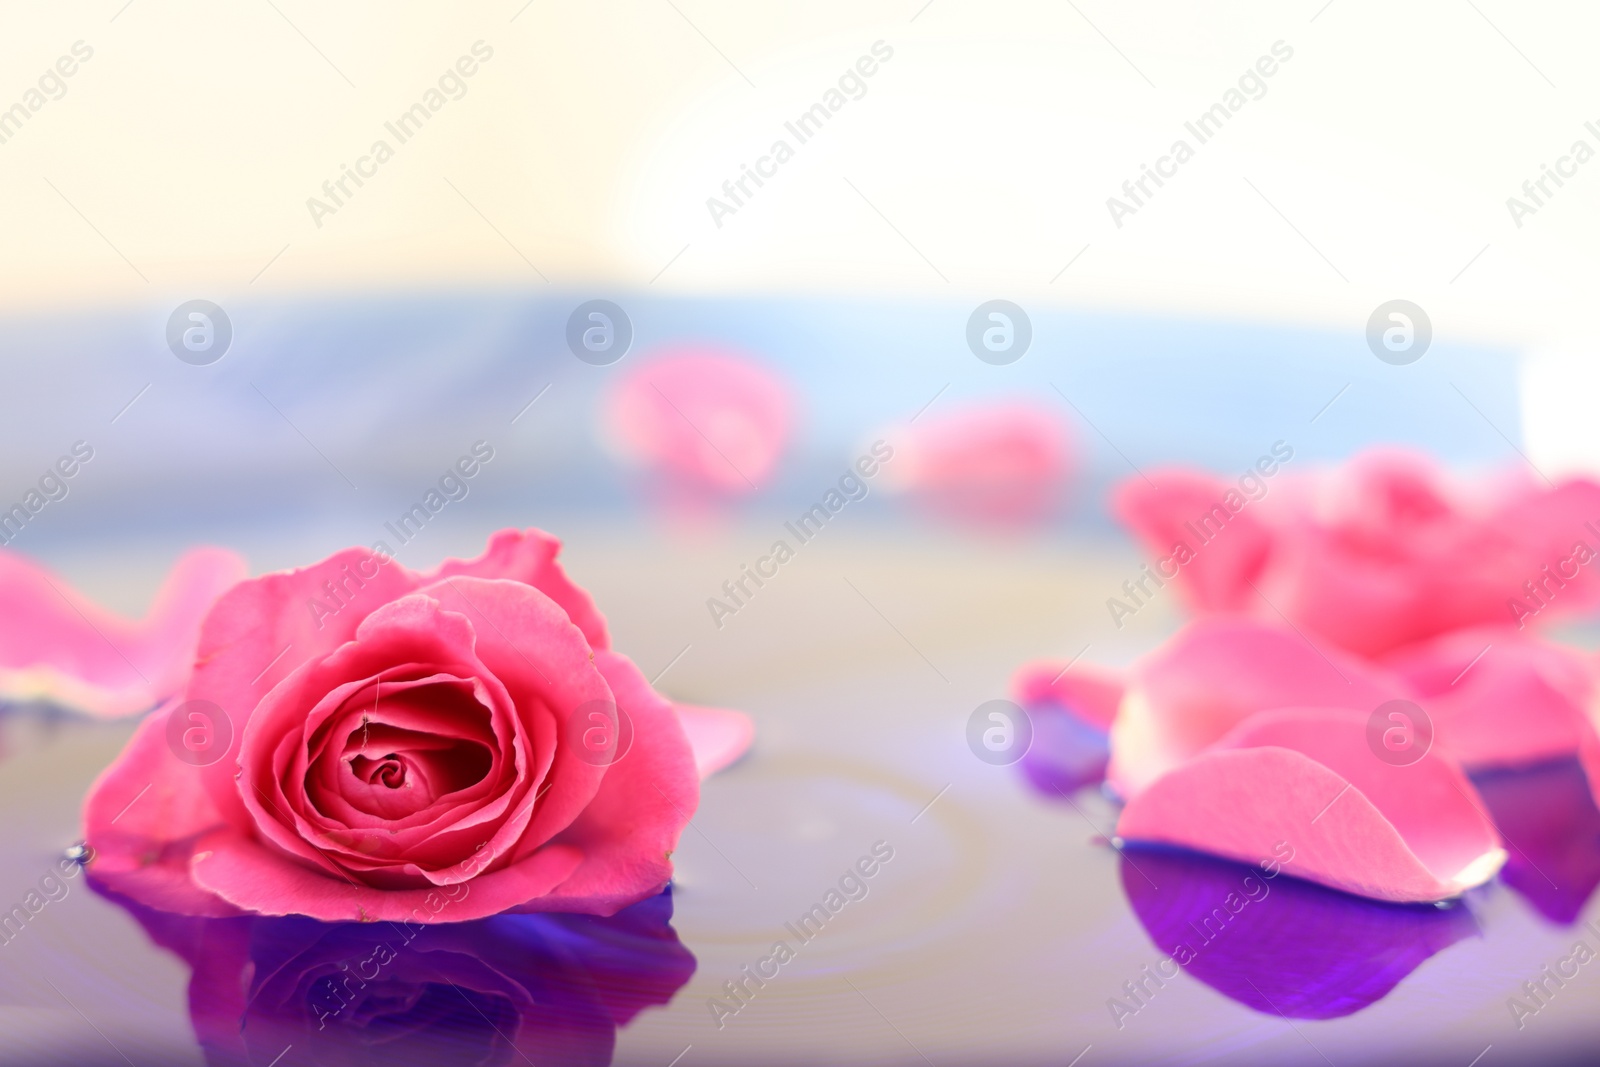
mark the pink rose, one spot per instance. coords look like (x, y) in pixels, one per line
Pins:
(701, 422)
(399, 746)
(997, 463)
(1374, 555)
(59, 646)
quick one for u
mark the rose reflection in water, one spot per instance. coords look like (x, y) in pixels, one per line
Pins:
(551, 989)
(1552, 829)
(1281, 946)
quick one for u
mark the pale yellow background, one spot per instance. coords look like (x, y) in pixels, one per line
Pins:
(990, 142)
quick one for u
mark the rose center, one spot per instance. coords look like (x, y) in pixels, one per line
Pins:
(398, 747)
(388, 770)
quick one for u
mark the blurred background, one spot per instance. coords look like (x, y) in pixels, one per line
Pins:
(194, 154)
(398, 222)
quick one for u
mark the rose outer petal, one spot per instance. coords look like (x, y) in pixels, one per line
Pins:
(248, 875)
(1379, 553)
(1088, 693)
(1166, 509)
(138, 815)
(58, 645)
(1499, 698)
(718, 736)
(1215, 674)
(1305, 780)
(529, 646)
(1072, 707)
(529, 556)
(627, 833)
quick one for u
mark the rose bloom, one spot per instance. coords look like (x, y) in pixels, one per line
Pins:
(360, 741)
(701, 422)
(999, 464)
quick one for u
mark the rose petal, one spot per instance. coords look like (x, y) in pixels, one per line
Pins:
(139, 817)
(250, 876)
(1589, 760)
(628, 832)
(1212, 676)
(1307, 780)
(1384, 551)
(1499, 698)
(529, 556)
(1071, 707)
(718, 736)
(1089, 693)
(57, 645)
(1065, 755)
(160, 880)
(1230, 549)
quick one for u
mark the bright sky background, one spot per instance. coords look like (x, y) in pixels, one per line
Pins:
(978, 163)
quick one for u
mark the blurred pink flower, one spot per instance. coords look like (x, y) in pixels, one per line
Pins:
(997, 463)
(708, 423)
(1377, 554)
(57, 645)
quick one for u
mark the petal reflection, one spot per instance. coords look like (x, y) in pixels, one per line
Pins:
(545, 988)
(1548, 818)
(1278, 944)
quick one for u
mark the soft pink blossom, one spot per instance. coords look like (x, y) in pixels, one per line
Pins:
(703, 421)
(1382, 552)
(995, 463)
(411, 747)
